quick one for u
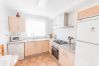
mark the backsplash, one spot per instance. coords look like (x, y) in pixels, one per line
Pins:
(63, 34)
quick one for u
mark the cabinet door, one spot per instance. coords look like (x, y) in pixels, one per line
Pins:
(22, 25)
(16, 49)
(50, 46)
(38, 47)
(16, 24)
(70, 59)
(66, 58)
(93, 11)
(61, 57)
(30, 48)
(45, 45)
(13, 24)
(42, 46)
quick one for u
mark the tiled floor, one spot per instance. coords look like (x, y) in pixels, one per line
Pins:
(40, 60)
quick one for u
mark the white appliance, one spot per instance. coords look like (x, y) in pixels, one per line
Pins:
(17, 37)
(87, 44)
(16, 49)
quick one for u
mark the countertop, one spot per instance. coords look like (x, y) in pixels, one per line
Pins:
(66, 47)
(27, 40)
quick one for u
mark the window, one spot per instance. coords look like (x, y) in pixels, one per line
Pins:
(35, 27)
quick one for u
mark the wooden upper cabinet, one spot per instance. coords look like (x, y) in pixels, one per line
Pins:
(90, 12)
(16, 24)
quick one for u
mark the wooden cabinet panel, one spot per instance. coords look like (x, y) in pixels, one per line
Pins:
(29, 48)
(70, 59)
(63, 58)
(36, 47)
(50, 46)
(16, 24)
(42, 46)
(45, 46)
(66, 58)
(22, 25)
(93, 11)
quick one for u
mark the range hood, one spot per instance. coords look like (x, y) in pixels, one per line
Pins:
(66, 21)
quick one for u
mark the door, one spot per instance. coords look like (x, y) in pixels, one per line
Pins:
(86, 54)
(16, 49)
(88, 31)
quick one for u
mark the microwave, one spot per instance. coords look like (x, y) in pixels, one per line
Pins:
(15, 38)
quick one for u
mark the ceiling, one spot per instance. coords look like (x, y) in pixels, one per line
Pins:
(39, 7)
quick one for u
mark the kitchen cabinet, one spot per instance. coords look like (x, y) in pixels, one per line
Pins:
(90, 12)
(63, 59)
(61, 21)
(45, 46)
(42, 46)
(30, 48)
(66, 58)
(50, 46)
(16, 49)
(36, 47)
(16, 24)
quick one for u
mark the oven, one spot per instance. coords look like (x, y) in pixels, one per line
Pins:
(55, 52)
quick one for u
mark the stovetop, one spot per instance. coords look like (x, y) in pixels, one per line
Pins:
(60, 42)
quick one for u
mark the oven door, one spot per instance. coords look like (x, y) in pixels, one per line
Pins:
(55, 52)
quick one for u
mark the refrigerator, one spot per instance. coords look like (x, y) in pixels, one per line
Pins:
(87, 43)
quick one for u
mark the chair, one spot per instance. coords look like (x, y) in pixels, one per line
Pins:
(7, 59)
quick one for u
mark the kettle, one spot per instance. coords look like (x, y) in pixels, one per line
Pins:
(70, 39)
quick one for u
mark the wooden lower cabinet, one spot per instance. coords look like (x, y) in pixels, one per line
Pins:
(30, 48)
(50, 46)
(66, 58)
(36, 47)
(62, 58)
(45, 46)
(70, 59)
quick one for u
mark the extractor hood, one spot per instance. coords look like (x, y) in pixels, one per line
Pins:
(66, 21)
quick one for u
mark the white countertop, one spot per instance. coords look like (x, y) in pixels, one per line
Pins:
(27, 40)
(65, 47)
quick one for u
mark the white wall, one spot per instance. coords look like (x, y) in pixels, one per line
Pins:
(3, 24)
